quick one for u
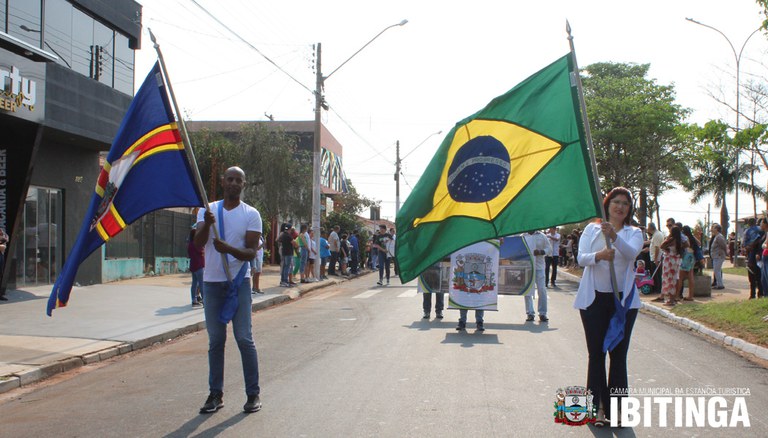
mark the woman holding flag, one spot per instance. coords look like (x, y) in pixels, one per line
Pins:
(607, 314)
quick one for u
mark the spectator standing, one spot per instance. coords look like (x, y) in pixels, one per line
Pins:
(325, 254)
(718, 251)
(334, 242)
(655, 238)
(551, 261)
(196, 267)
(354, 248)
(285, 244)
(380, 242)
(256, 266)
(753, 239)
(541, 247)
(673, 249)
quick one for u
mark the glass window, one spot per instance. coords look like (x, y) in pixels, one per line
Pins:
(25, 19)
(58, 30)
(3, 15)
(82, 40)
(38, 258)
(103, 53)
(124, 61)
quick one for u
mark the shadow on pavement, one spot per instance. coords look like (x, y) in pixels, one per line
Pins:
(606, 431)
(190, 427)
(17, 296)
(175, 310)
(471, 337)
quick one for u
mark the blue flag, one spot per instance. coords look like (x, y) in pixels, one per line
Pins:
(618, 321)
(146, 170)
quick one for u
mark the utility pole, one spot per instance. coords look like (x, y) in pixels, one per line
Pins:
(397, 178)
(319, 101)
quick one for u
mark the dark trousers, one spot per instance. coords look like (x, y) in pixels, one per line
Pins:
(656, 276)
(332, 265)
(353, 261)
(383, 265)
(755, 283)
(595, 320)
(427, 302)
(550, 261)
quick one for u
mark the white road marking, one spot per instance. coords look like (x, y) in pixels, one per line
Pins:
(324, 296)
(369, 293)
(410, 293)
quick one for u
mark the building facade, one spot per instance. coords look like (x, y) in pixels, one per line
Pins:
(67, 71)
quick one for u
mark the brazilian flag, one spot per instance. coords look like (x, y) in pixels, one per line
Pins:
(519, 164)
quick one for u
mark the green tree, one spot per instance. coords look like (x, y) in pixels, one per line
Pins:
(214, 153)
(716, 172)
(279, 175)
(634, 125)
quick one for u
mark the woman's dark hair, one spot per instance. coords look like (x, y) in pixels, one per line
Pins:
(676, 233)
(618, 191)
(689, 235)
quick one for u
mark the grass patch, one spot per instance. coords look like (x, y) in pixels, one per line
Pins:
(740, 319)
(736, 271)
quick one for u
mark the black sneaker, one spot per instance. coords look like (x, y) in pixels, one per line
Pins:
(461, 327)
(529, 318)
(213, 403)
(480, 327)
(253, 404)
(439, 314)
(426, 315)
(543, 318)
(197, 304)
(379, 283)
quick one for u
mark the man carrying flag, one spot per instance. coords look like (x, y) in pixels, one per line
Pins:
(228, 298)
(146, 169)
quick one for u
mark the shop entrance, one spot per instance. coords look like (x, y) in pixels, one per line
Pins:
(38, 254)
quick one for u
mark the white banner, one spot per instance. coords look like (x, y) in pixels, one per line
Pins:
(474, 277)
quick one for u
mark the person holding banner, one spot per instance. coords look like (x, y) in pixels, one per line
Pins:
(597, 301)
(540, 248)
(239, 227)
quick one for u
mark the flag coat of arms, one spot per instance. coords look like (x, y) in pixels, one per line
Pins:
(519, 164)
(146, 169)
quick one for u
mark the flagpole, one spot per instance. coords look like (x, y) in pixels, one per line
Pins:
(189, 153)
(590, 148)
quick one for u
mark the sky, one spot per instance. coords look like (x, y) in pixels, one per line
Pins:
(446, 63)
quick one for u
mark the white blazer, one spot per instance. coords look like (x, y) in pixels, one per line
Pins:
(629, 242)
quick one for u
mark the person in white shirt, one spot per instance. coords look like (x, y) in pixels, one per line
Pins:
(239, 228)
(596, 300)
(540, 248)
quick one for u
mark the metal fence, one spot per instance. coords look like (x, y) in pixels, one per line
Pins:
(162, 233)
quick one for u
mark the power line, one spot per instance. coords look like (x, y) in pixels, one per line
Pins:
(252, 47)
(360, 136)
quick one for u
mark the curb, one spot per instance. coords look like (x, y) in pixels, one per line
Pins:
(32, 375)
(719, 337)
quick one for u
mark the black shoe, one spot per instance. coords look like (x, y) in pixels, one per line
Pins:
(529, 318)
(253, 404)
(480, 327)
(379, 283)
(3, 298)
(543, 318)
(439, 314)
(213, 403)
(197, 304)
(426, 315)
(461, 327)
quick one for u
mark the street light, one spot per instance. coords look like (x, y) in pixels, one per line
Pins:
(737, 56)
(319, 105)
(399, 161)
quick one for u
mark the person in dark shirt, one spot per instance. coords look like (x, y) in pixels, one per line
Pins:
(380, 242)
(287, 245)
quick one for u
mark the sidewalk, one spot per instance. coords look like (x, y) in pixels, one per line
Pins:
(736, 288)
(105, 320)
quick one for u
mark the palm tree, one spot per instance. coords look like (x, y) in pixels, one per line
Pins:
(716, 170)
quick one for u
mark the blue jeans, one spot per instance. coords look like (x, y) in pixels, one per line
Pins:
(541, 291)
(763, 277)
(478, 316)
(383, 265)
(304, 257)
(286, 263)
(197, 284)
(214, 297)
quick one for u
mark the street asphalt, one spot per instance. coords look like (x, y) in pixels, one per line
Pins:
(106, 320)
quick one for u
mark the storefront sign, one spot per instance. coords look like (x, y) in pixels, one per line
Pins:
(22, 84)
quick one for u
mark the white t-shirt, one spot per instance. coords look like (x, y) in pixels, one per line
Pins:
(554, 239)
(312, 247)
(236, 222)
(538, 241)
